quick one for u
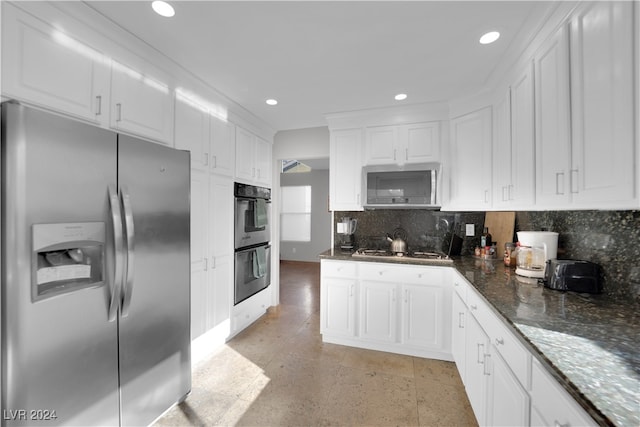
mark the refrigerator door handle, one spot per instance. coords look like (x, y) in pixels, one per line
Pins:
(130, 247)
(116, 285)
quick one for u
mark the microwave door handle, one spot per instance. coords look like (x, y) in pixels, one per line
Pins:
(433, 187)
(116, 285)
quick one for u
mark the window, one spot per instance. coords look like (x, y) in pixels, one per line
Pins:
(295, 213)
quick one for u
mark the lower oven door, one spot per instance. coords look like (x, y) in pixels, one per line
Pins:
(253, 271)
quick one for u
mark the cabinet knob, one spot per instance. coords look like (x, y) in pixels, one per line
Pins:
(473, 307)
(499, 341)
(420, 276)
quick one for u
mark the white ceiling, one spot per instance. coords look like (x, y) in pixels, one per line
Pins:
(325, 57)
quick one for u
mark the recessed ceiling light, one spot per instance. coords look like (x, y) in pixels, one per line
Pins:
(163, 8)
(401, 97)
(272, 102)
(490, 37)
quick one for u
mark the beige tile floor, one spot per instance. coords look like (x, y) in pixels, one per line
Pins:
(278, 372)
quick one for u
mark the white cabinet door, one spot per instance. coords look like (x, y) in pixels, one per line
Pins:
(245, 156)
(222, 146)
(521, 194)
(476, 368)
(421, 142)
(337, 307)
(263, 162)
(402, 144)
(192, 132)
(220, 291)
(220, 249)
(141, 104)
(425, 319)
(552, 133)
(603, 172)
(378, 311)
(502, 183)
(381, 145)
(507, 402)
(199, 251)
(345, 170)
(471, 161)
(52, 69)
(458, 337)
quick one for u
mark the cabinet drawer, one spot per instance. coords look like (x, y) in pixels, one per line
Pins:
(331, 268)
(409, 274)
(552, 405)
(460, 286)
(509, 347)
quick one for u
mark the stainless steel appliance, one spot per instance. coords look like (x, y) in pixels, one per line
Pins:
(401, 187)
(573, 275)
(412, 256)
(252, 236)
(252, 215)
(95, 274)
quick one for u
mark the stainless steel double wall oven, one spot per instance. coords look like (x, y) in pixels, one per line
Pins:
(251, 236)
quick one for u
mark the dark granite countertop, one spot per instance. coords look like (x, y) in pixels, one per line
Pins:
(589, 343)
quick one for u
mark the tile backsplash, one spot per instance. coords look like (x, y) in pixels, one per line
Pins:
(608, 238)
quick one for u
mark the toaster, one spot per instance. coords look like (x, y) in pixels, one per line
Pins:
(573, 275)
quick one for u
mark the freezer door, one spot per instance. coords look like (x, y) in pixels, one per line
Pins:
(59, 350)
(155, 362)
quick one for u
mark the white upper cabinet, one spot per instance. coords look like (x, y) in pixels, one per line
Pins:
(414, 143)
(253, 158)
(141, 104)
(513, 145)
(345, 170)
(552, 124)
(471, 161)
(192, 132)
(603, 168)
(502, 177)
(222, 146)
(52, 69)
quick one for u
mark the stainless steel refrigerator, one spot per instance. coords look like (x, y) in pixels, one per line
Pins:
(95, 274)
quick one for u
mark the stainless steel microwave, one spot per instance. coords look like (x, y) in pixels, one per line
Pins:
(401, 187)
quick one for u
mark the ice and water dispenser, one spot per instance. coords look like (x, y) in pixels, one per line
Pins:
(66, 257)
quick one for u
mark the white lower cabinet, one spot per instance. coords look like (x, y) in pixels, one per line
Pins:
(505, 385)
(551, 404)
(397, 308)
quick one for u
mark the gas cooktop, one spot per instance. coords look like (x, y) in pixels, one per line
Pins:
(419, 256)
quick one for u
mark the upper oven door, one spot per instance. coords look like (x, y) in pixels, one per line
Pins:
(252, 221)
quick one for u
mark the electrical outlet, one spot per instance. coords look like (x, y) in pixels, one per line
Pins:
(471, 230)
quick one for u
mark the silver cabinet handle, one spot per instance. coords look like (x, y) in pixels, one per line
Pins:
(574, 180)
(213, 263)
(394, 154)
(116, 218)
(98, 105)
(473, 307)
(406, 154)
(485, 369)
(118, 112)
(461, 320)
(558, 186)
(499, 341)
(480, 361)
(505, 193)
(206, 159)
(206, 263)
(130, 245)
(486, 196)
(215, 161)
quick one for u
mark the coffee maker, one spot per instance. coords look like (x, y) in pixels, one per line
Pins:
(346, 227)
(536, 248)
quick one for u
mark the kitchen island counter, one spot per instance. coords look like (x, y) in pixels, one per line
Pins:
(589, 343)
